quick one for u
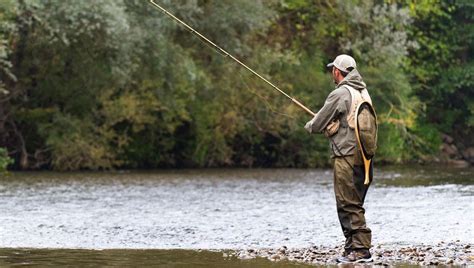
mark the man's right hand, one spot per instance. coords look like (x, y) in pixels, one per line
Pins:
(309, 124)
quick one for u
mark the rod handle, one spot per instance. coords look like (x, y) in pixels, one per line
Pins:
(303, 107)
(367, 170)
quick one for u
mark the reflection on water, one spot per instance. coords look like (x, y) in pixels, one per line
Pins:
(227, 209)
(128, 258)
(143, 258)
(410, 176)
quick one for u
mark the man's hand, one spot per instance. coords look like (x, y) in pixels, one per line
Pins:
(309, 125)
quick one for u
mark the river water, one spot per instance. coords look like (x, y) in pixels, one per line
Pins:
(226, 209)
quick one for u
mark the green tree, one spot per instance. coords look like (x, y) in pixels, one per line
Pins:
(442, 66)
(117, 84)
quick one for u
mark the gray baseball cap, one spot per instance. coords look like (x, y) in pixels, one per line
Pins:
(344, 63)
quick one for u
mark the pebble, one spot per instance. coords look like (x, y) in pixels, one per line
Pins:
(444, 253)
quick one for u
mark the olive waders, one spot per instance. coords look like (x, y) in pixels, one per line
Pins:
(350, 194)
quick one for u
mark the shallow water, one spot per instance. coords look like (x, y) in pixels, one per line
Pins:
(128, 258)
(227, 208)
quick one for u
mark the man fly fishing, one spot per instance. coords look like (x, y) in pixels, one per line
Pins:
(349, 121)
(344, 122)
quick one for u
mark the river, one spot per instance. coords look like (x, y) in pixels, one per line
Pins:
(223, 209)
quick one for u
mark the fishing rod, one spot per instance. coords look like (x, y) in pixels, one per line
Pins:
(232, 57)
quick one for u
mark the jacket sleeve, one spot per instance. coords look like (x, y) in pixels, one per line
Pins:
(333, 107)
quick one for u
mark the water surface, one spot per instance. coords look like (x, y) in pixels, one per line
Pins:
(227, 209)
(129, 258)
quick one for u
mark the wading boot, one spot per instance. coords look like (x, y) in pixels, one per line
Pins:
(356, 256)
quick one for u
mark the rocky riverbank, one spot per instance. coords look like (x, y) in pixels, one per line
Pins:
(444, 253)
(453, 154)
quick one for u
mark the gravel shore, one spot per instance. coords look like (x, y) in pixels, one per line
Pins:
(444, 253)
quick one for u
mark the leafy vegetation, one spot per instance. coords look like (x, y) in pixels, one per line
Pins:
(4, 160)
(116, 84)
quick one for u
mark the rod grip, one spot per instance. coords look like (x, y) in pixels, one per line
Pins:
(303, 107)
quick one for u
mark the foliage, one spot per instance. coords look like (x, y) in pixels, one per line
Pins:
(4, 160)
(117, 84)
(442, 65)
(7, 27)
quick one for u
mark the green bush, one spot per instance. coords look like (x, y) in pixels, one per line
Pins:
(5, 160)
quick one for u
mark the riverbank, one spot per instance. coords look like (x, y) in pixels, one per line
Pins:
(443, 253)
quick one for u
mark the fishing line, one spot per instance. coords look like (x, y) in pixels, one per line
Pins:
(247, 86)
(226, 54)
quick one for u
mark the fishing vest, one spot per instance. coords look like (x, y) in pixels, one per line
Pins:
(357, 96)
(363, 120)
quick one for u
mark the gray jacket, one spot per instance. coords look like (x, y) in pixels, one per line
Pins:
(337, 106)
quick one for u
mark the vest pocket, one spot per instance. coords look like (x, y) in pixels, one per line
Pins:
(332, 128)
